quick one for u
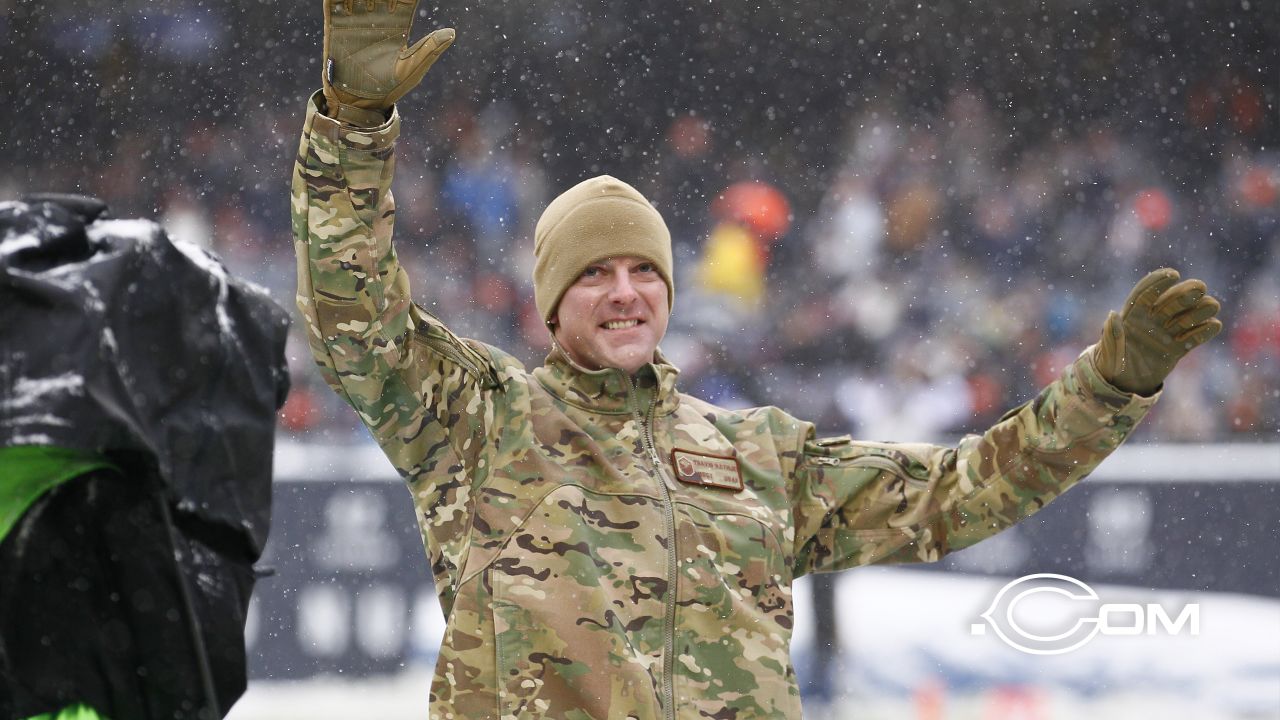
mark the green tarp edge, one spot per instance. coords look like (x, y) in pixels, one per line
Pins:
(29, 471)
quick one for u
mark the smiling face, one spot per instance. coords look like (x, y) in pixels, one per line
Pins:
(613, 315)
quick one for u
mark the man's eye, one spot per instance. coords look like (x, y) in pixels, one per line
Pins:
(591, 272)
(645, 267)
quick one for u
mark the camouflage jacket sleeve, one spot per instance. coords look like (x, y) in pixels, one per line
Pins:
(857, 503)
(421, 390)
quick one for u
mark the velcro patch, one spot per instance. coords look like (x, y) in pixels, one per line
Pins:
(707, 470)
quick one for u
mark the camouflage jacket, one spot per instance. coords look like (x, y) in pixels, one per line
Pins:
(605, 546)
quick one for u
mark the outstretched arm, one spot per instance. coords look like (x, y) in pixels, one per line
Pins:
(858, 503)
(425, 394)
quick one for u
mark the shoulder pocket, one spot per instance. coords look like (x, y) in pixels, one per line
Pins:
(438, 338)
(843, 451)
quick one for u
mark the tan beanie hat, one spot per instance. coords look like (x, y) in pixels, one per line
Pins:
(596, 219)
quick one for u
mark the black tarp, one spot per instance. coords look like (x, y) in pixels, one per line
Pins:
(115, 340)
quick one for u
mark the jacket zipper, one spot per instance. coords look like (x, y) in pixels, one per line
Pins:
(669, 622)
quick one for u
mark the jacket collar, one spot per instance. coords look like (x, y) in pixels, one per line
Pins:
(610, 391)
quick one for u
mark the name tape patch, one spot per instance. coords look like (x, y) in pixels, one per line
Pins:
(707, 470)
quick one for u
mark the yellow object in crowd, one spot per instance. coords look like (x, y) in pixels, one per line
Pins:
(732, 264)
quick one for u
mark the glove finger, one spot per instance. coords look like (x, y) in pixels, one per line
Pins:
(1200, 334)
(432, 45)
(415, 61)
(1198, 313)
(1179, 297)
(424, 53)
(1150, 287)
(1111, 347)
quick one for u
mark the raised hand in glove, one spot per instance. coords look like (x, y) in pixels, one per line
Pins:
(1162, 320)
(368, 63)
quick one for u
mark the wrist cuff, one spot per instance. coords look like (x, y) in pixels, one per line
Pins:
(368, 139)
(359, 117)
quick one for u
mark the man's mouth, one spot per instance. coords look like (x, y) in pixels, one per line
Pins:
(620, 324)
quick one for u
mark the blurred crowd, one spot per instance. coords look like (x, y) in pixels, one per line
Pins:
(899, 259)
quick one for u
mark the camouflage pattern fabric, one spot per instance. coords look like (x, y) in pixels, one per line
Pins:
(579, 577)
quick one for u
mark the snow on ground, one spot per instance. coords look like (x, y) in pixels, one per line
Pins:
(908, 652)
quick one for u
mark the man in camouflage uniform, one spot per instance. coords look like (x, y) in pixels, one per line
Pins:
(603, 545)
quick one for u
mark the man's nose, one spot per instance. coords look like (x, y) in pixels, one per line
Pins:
(622, 291)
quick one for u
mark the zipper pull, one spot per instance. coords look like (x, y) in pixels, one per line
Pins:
(824, 460)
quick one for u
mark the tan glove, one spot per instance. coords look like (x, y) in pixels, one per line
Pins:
(1162, 320)
(367, 62)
